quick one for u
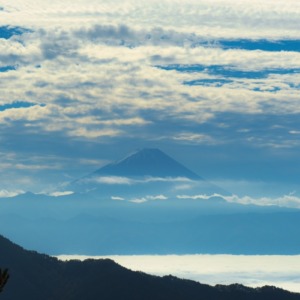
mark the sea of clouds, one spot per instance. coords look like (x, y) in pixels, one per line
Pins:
(250, 270)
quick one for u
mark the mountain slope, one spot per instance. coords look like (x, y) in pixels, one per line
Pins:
(35, 276)
(147, 162)
(145, 172)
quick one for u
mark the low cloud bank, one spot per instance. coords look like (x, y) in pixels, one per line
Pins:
(291, 200)
(130, 181)
(251, 270)
(147, 198)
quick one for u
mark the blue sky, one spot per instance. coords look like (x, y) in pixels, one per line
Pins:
(215, 84)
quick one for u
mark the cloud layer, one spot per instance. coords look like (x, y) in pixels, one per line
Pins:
(215, 74)
(291, 201)
(280, 271)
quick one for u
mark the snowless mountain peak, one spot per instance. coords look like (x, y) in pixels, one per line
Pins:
(147, 162)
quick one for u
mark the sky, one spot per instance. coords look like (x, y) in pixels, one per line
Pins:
(214, 84)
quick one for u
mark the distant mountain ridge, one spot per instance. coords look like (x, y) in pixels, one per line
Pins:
(150, 162)
(36, 276)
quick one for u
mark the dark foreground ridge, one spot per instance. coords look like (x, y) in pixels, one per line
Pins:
(37, 276)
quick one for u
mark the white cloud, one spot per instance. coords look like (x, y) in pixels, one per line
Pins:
(28, 166)
(94, 133)
(130, 181)
(165, 179)
(141, 199)
(119, 122)
(94, 162)
(32, 113)
(158, 197)
(196, 197)
(92, 66)
(148, 198)
(116, 198)
(111, 79)
(294, 131)
(60, 194)
(284, 201)
(111, 180)
(197, 138)
(9, 194)
(209, 18)
(290, 201)
(138, 200)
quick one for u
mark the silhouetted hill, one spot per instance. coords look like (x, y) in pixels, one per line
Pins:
(35, 276)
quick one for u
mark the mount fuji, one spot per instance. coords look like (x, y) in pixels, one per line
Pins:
(149, 162)
(146, 171)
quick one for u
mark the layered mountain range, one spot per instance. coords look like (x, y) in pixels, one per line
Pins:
(146, 203)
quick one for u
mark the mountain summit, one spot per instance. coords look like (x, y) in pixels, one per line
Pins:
(147, 162)
(145, 172)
